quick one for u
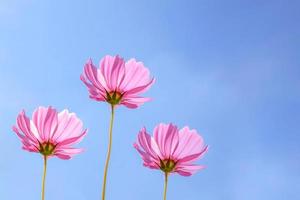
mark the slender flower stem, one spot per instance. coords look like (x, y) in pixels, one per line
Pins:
(166, 185)
(108, 151)
(44, 178)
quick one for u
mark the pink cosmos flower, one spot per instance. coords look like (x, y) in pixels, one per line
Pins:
(117, 82)
(171, 150)
(50, 133)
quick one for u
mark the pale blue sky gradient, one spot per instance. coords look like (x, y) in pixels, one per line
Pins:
(230, 69)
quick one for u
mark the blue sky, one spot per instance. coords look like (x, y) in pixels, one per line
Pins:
(229, 69)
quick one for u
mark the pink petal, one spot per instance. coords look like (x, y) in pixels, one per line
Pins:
(67, 153)
(140, 89)
(69, 126)
(166, 137)
(137, 75)
(73, 140)
(95, 93)
(134, 102)
(188, 170)
(30, 148)
(145, 141)
(28, 144)
(91, 73)
(23, 122)
(193, 157)
(190, 143)
(113, 71)
(45, 120)
(148, 160)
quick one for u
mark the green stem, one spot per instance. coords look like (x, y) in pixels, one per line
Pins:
(108, 152)
(44, 178)
(166, 185)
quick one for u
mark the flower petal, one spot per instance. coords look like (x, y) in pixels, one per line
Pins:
(73, 140)
(148, 144)
(147, 158)
(67, 153)
(188, 170)
(193, 157)
(137, 75)
(23, 123)
(134, 102)
(113, 71)
(45, 121)
(140, 89)
(166, 137)
(190, 143)
(69, 126)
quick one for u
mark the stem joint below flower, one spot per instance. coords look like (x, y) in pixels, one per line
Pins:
(167, 165)
(114, 97)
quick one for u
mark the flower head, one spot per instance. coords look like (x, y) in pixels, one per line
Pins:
(171, 150)
(117, 82)
(50, 133)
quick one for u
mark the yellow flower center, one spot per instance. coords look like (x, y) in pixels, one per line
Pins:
(47, 148)
(114, 97)
(167, 165)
